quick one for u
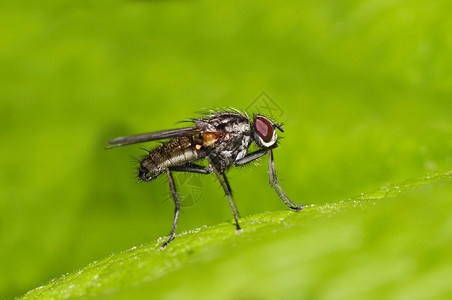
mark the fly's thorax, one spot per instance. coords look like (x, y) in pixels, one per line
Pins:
(227, 136)
(223, 121)
(210, 138)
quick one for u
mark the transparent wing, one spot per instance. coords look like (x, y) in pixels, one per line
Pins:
(153, 136)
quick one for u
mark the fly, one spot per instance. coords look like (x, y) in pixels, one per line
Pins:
(223, 139)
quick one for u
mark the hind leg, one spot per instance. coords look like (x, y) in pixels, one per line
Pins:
(177, 208)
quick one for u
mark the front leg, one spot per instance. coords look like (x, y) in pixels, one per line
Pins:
(272, 173)
(274, 183)
(250, 157)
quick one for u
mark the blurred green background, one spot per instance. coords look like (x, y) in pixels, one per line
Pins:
(364, 88)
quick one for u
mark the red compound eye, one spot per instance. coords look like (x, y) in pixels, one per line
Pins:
(264, 128)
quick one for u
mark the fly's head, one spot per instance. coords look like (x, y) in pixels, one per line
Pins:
(264, 133)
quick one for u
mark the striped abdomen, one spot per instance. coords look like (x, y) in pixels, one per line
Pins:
(175, 152)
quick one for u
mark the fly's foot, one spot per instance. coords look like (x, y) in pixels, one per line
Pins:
(166, 243)
(297, 207)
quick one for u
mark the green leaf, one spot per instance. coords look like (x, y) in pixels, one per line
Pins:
(390, 243)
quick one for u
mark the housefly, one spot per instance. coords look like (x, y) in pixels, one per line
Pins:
(223, 139)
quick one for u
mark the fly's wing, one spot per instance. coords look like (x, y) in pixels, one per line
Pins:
(153, 136)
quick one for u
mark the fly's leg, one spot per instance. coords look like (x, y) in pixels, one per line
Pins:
(226, 191)
(272, 173)
(250, 157)
(230, 191)
(177, 209)
(194, 168)
(274, 183)
(191, 168)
